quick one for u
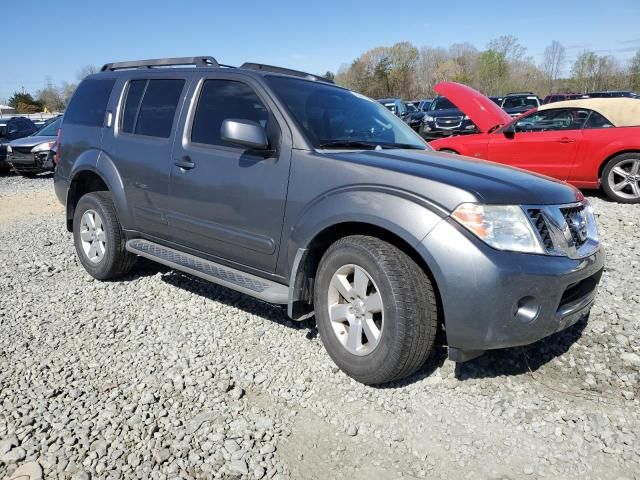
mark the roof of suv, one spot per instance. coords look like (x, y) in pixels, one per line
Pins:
(186, 64)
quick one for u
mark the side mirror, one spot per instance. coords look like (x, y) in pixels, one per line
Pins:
(245, 133)
(510, 130)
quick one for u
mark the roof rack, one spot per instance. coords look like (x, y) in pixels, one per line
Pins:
(162, 62)
(284, 71)
(520, 93)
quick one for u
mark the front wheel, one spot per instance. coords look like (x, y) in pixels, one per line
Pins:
(98, 237)
(621, 178)
(375, 309)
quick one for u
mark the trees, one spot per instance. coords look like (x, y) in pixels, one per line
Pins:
(634, 72)
(24, 103)
(493, 69)
(553, 62)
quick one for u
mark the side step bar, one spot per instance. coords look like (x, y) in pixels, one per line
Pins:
(257, 287)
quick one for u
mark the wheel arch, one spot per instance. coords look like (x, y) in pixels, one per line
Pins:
(97, 174)
(610, 157)
(307, 261)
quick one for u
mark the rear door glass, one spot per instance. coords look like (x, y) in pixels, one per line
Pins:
(89, 103)
(150, 107)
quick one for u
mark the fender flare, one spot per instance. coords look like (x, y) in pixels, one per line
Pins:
(400, 213)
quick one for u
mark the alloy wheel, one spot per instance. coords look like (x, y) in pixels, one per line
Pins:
(93, 236)
(355, 309)
(624, 178)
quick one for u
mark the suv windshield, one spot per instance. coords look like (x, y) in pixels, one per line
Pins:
(442, 103)
(333, 117)
(50, 130)
(515, 102)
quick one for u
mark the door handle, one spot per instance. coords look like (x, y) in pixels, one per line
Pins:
(566, 140)
(185, 163)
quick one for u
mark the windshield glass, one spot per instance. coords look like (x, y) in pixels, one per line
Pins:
(332, 117)
(50, 130)
(515, 102)
(411, 107)
(441, 103)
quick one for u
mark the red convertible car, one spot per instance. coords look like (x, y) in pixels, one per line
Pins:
(589, 143)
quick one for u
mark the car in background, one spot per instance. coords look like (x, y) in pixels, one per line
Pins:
(515, 104)
(613, 94)
(414, 116)
(589, 143)
(395, 106)
(31, 155)
(496, 100)
(444, 119)
(561, 97)
(12, 128)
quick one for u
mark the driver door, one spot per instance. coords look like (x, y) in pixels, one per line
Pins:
(544, 142)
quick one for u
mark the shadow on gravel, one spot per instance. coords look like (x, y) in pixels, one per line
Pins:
(217, 293)
(516, 361)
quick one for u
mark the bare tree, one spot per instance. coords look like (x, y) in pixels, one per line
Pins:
(86, 71)
(553, 61)
(509, 47)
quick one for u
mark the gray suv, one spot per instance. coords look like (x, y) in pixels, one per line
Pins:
(279, 184)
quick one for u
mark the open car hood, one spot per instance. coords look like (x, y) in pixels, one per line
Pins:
(480, 109)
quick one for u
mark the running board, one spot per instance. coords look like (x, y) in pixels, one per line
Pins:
(257, 287)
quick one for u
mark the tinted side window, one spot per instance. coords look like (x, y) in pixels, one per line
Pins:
(225, 99)
(158, 107)
(553, 120)
(597, 121)
(89, 102)
(131, 105)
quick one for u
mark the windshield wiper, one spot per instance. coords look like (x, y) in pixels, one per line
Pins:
(401, 145)
(348, 144)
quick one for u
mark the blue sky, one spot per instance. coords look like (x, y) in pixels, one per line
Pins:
(309, 35)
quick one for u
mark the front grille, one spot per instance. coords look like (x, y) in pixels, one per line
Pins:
(448, 122)
(21, 149)
(577, 223)
(535, 214)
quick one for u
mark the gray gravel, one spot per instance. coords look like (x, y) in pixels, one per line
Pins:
(164, 376)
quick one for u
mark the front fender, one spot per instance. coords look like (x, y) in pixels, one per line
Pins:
(401, 213)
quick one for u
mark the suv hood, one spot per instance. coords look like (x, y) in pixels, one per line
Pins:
(31, 141)
(452, 179)
(480, 109)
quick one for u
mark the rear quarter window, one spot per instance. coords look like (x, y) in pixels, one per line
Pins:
(89, 103)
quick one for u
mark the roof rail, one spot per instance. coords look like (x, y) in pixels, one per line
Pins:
(285, 71)
(161, 62)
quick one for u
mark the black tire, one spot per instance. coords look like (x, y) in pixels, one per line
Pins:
(116, 260)
(409, 309)
(617, 161)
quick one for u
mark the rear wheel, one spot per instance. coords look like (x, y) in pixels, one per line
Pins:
(621, 178)
(375, 309)
(98, 237)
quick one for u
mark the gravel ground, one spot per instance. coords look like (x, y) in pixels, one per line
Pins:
(163, 376)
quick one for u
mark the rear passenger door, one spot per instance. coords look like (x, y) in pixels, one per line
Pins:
(140, 144)
(230, 203)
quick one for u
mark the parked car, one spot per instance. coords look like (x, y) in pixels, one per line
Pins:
(414, 117)
(10, 129)
(295, 191)
(497, 100)
(395, 106)
(444, 119)
(31, 155)
(515, 104)
(589, 143)
(561, 97)
(613, 94)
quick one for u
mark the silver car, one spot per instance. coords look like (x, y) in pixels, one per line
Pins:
(31, 155)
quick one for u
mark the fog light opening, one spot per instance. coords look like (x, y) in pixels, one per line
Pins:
(527, 310)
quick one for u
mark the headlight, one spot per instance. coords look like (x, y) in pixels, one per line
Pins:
(466, 117)
(43, 147)
(504, 227)
(9, 149)
(428, 118)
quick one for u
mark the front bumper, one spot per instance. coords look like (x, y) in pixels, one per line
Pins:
(29, 162)
(496, 299)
